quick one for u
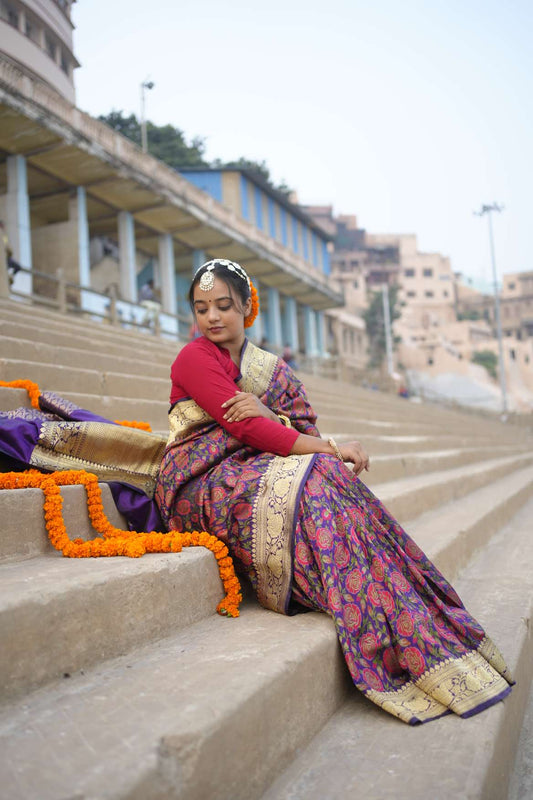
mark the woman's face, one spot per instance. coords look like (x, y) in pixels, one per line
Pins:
(220, 315)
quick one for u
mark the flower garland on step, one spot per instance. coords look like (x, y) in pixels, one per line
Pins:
(34, 393)
(118, 542)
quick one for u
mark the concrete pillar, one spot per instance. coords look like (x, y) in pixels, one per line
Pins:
(310, 332)
(274, 318)
(169, 301)
(321, 333)
(127, 266)
(78, 210)
(255, 332)
(18, 225)
(290, 327)
(198, 258)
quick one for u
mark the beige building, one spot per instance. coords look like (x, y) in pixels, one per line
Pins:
(38, 36)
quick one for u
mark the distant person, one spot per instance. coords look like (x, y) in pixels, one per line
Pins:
(148, 300)
(12, 266)
(263, 344)
(288, 357)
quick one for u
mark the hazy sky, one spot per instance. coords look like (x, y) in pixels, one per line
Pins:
(408, 114)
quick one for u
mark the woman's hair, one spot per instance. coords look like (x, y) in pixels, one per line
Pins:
(230, 272)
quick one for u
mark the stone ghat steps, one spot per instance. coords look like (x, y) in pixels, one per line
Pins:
(39, 323)
(360, 755)
(222, 707)
(38, 591)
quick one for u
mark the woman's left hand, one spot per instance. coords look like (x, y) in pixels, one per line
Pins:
(244, 405)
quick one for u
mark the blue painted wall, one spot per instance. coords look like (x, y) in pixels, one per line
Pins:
(210, 182)
(258, 196)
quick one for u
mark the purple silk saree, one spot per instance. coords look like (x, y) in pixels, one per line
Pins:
(62, 436)
(306, 529)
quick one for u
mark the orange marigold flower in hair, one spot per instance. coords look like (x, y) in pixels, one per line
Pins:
(250, 319)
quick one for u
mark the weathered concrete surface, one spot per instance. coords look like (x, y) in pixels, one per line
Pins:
(210, 712)
(61, 615)
(361, 754)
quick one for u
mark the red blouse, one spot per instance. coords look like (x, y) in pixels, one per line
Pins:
(205, 372)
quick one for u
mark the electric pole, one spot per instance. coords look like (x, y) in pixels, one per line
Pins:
(488, 209)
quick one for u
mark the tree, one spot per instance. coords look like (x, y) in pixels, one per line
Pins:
(375, 324)
(164, 141)
(487, 359)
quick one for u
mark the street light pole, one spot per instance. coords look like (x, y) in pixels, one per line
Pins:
(387, 324)
(144, 135)
(488, 209)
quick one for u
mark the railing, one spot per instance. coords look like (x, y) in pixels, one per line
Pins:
(65, 296)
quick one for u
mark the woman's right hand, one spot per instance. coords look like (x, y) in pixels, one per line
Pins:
(354, 453)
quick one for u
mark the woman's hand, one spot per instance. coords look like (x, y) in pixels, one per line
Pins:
(354, 453)
(244, 405)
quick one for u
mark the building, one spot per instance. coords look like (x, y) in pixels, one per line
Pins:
(77, 195)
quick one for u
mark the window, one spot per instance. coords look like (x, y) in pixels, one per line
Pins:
(409, 273)
(64, 67)
(49, 46)
(445, 293)
(9, 14)
(511, 286)
(427, 272)
(411, 294)
(428, 293)
(356, 284)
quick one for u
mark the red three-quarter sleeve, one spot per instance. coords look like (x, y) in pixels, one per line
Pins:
(206, 373)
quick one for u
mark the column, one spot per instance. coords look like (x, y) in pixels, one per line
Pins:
(18, 225)
(274, 318)
(127, 266)
(198, 258)
(291, 324)
(167, 275)
(310, 332)
(80, 212)
(321, 333)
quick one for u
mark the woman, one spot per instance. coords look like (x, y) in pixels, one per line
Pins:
(245, 461)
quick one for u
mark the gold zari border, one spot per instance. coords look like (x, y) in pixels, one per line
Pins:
(112, 452)
(273, 516)
(459, 685)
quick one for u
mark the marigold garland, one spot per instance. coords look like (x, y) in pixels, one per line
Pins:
(34, 393)
(32, 388)
(250, 319)
(117, 542)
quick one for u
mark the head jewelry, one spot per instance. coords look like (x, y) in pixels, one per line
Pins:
(207, 281)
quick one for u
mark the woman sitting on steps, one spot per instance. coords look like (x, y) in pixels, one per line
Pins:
(245, 462)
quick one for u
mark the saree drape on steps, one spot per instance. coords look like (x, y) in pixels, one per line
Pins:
(63, 436)
(306, 529)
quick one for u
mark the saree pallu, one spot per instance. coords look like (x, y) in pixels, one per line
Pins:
(62, 436)
(306, 529)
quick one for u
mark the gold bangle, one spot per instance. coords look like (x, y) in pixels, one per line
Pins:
(286, 421)
(335, 447)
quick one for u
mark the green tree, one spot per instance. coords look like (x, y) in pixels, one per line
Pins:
(259, 167)
(487, 359)
(164, 141)
(375, 324)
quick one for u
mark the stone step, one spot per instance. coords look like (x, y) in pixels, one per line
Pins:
(23, 533)
(80, 379)
(72, 357)
(166, 721)
(55, 582)
(409, 497)
(402, 465)
(266, 682)
(60, 615)
(96, 337)
(45, 320)
(360, 754)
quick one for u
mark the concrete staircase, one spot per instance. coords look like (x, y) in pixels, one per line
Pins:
(119, 680)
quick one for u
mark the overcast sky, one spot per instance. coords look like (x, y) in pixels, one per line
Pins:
(409, 115)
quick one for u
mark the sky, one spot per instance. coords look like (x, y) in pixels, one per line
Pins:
(409, 115)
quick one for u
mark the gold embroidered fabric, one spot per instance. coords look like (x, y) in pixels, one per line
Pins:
(273, 515)
(458, 685)
(186, 417)
(112, 452)
(257, 368)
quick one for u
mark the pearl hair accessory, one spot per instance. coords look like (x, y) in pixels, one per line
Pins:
(207, 281)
